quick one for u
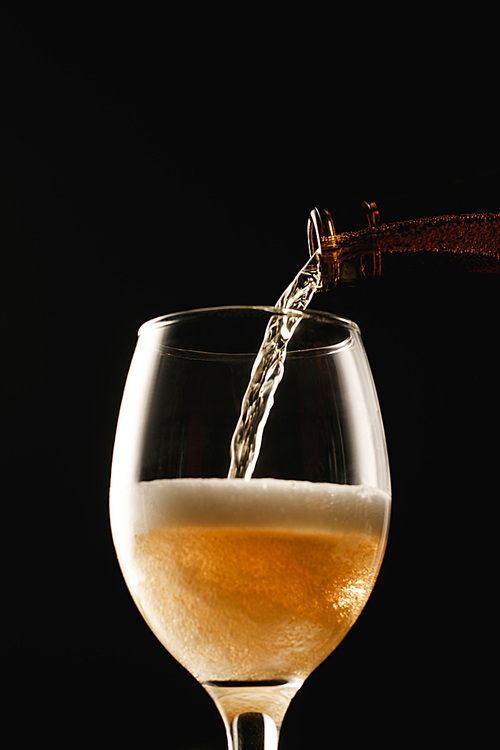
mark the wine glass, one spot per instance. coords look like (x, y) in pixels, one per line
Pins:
(250, 583)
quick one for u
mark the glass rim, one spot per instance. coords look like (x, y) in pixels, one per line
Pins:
(164, 320)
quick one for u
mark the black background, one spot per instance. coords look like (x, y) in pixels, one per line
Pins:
(160, 161)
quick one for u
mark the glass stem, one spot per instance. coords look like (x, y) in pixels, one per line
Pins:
(253, 731)
(253, 712)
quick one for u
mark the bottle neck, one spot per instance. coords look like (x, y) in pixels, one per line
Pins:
(450, 243)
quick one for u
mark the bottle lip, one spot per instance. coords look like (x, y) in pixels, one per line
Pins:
(310, 314)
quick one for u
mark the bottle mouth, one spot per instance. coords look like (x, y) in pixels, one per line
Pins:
(336, 266)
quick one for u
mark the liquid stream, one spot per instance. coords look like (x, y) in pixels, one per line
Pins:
(268, 369)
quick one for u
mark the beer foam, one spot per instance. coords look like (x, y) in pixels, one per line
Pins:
(258, 503)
